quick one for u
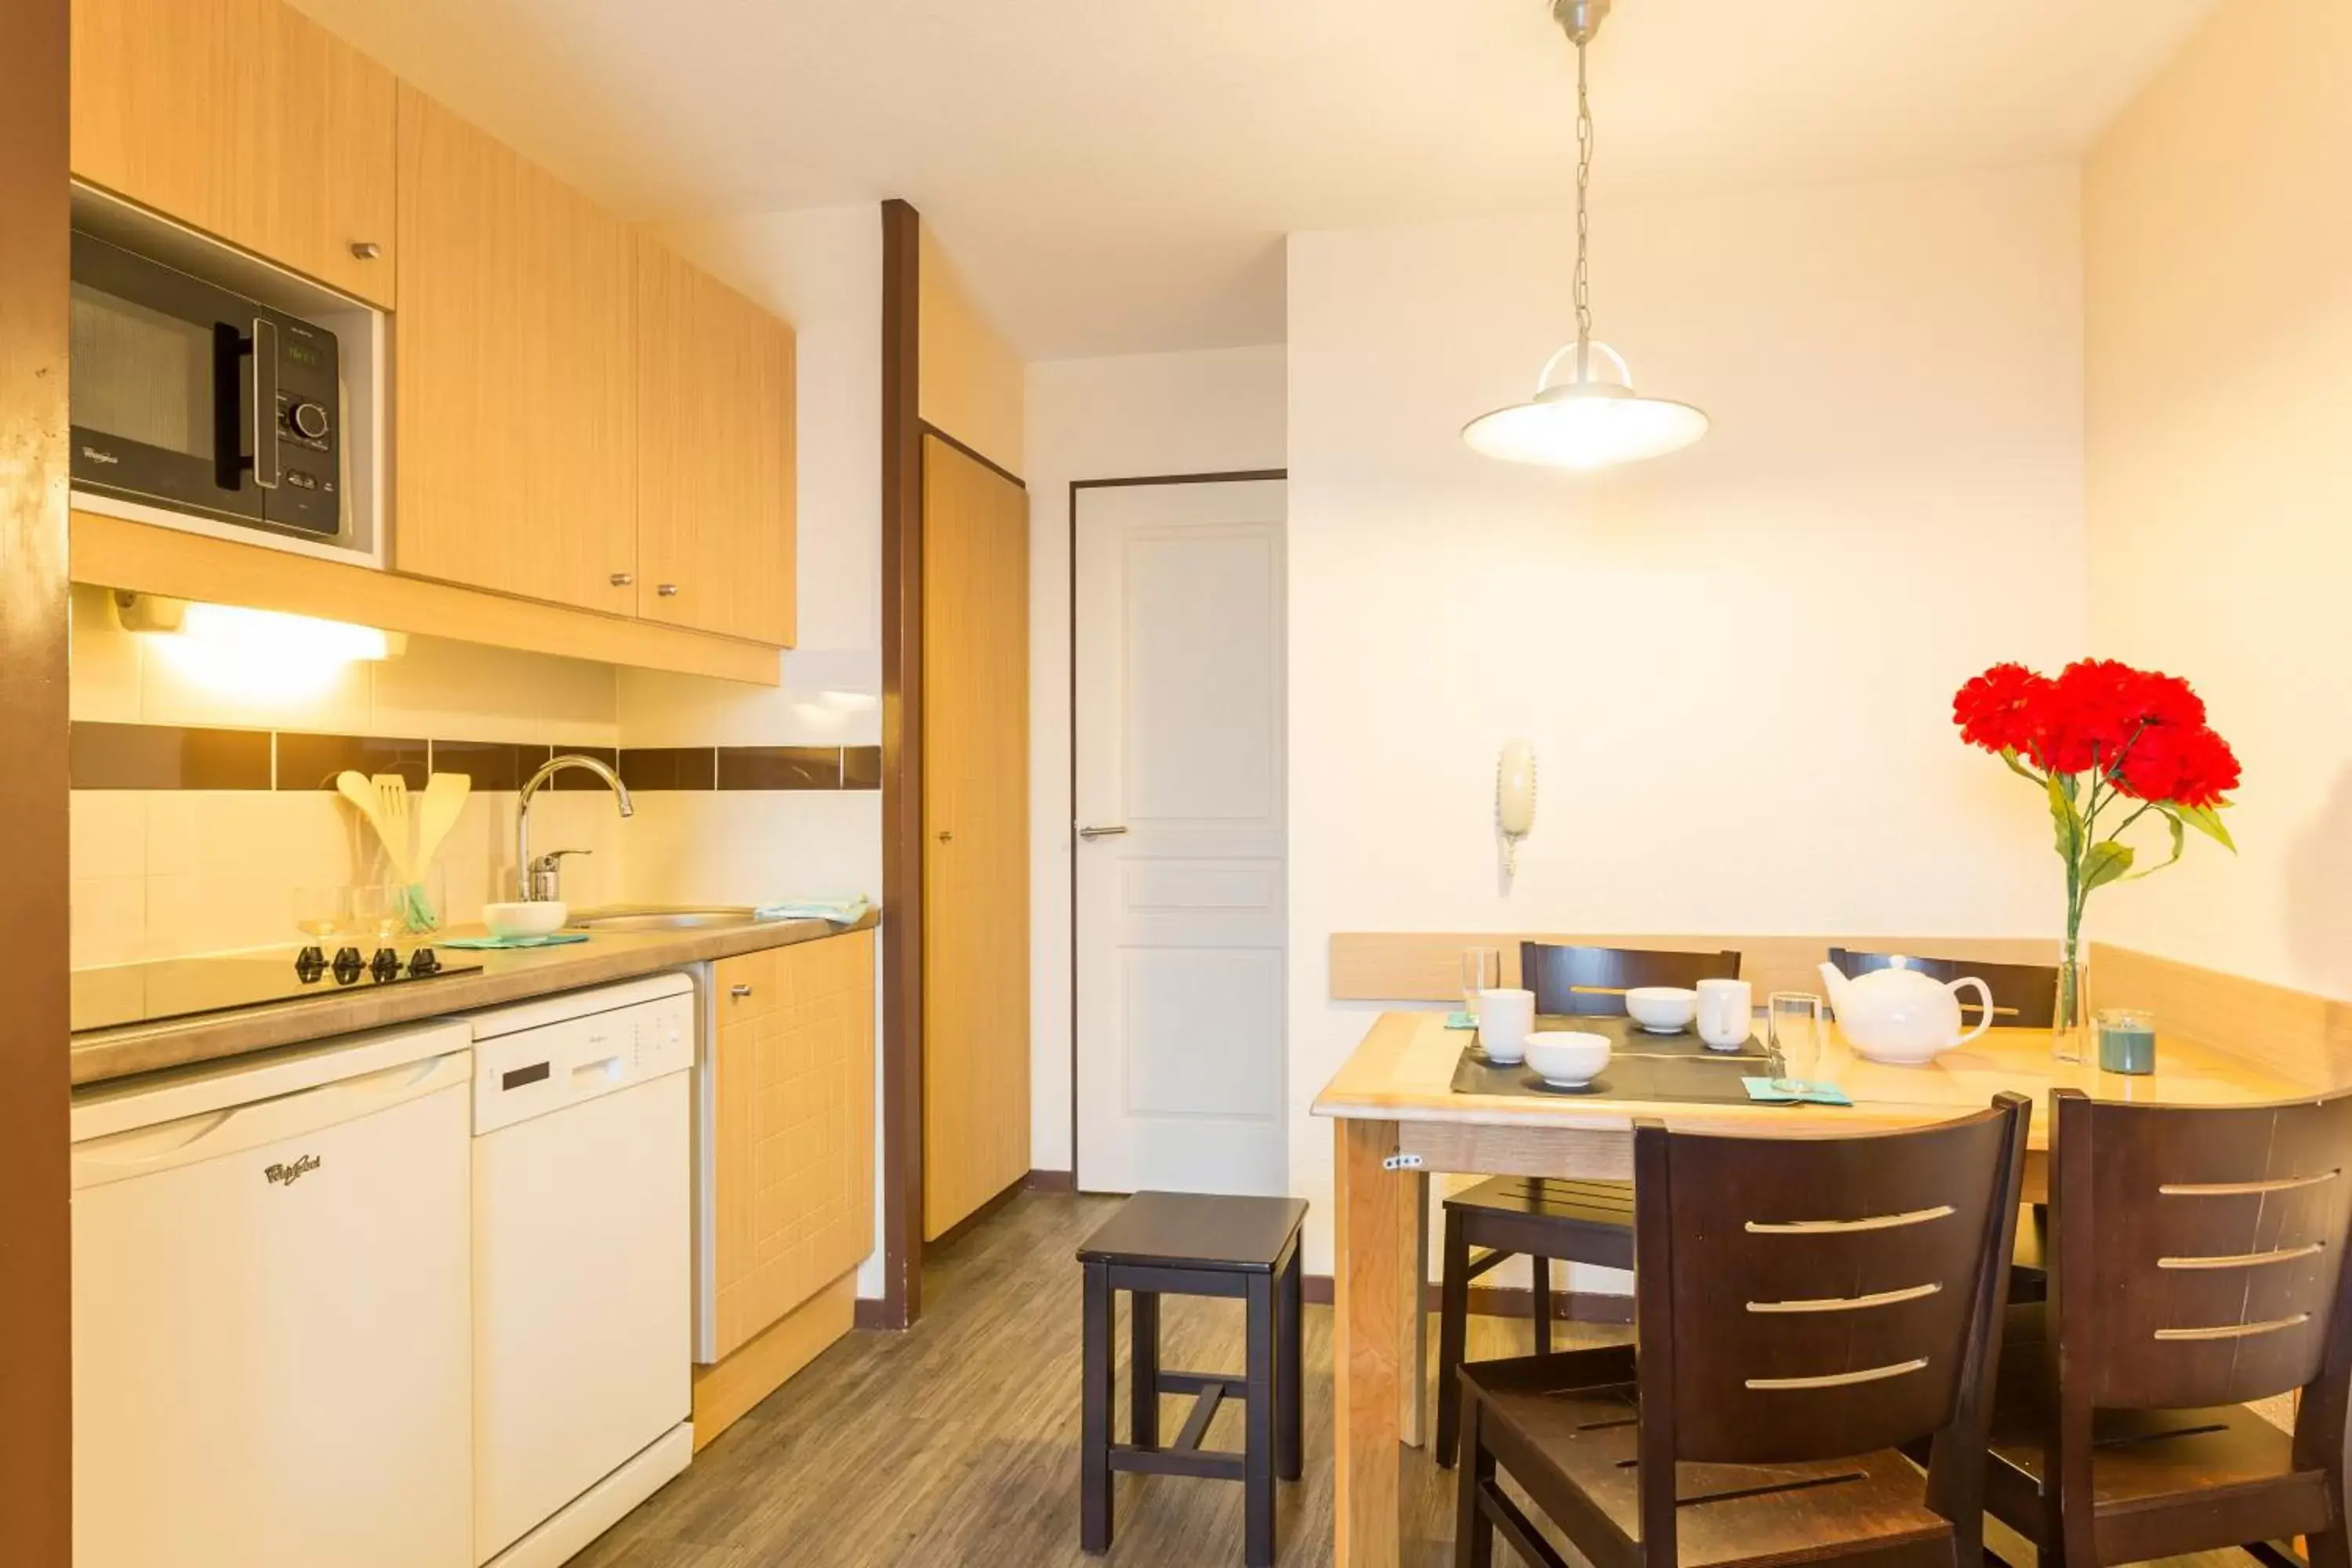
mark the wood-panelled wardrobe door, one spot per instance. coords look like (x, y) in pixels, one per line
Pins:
(1591, 981)
(1821, 1298)
(976, 835)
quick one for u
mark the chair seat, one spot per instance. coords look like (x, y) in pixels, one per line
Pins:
(2140, 1459)
(1558, 1434)
(1583, 1222)
(1198, 1230)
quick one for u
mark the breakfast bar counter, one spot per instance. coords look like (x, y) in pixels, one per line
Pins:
(1398, 1121)
(506, 975)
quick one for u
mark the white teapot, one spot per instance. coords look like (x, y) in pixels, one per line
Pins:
(1900, 1016)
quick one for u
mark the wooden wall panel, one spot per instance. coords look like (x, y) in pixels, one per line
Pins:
(2297, 1034)
(247, 119)
(794, 1140)
(975, 849)
(1426, 966)
(36, 1293)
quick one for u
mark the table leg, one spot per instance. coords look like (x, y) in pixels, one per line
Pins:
(1413, 1359)
(1370, 1273)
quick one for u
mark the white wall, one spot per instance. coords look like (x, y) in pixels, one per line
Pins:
(1738, 658)
(821, 271)
(1123, 418)
(2219, 447)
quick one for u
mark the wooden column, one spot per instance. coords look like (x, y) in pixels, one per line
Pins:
(35, 1299)
(1370, 1315)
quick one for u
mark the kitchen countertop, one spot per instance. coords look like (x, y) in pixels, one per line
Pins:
(506, 975)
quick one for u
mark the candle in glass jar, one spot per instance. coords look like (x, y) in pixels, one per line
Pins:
(2126, 1039)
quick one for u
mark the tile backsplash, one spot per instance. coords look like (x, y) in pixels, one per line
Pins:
(198, 811)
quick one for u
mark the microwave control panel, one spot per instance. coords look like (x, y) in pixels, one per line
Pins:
(308, 497)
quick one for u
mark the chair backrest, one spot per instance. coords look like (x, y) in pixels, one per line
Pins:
(1799, 1300)
(2025, 995)
(1591, 981)
(2198, 1251)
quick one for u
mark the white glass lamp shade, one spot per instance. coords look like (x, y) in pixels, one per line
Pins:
(1585, 424)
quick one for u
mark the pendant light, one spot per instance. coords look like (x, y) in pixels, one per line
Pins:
(1587, 421)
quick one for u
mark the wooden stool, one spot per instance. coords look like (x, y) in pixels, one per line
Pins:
(1183, 1244)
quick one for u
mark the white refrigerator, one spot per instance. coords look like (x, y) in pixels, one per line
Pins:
(272, 1301)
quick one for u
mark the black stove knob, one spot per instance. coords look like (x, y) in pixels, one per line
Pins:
(308, 964)
(385, 966)
(349, 965)
(422, 963)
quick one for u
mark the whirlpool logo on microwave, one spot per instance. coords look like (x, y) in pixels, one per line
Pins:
(285, 1175)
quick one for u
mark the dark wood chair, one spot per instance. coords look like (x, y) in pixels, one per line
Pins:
(1591, 981)
(1804, 1309)
(2025, 995)
(1189, 1243)
(1577, 1222)
(2199, 1264)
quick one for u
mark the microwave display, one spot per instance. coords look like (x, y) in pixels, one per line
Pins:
(191, 398)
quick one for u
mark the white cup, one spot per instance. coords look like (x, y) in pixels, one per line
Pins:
(1727, 1010)
(1504, 1018)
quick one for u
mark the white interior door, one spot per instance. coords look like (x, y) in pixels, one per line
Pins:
(1179, 837)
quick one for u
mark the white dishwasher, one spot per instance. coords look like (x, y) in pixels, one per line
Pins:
(582, 1264)
(272, 1351)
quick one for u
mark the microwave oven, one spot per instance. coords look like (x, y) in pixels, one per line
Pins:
(194, 399)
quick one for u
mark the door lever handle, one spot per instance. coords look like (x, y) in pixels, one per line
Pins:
(1092, 833)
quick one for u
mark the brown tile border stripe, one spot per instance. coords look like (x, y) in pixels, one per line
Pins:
(311, 762)
(780, 767)
(169, 756)
(155, 756)
(670, 767)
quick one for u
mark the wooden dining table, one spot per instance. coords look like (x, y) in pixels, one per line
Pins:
(1398, 1122)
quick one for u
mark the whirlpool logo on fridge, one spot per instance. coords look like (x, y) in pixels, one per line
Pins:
(283, 1175)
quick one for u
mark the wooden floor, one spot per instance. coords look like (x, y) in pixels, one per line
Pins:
(955, 1444)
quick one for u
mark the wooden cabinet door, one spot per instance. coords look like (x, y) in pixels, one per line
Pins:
(715, 467)
(515, 442)
(976, 835)
(793, 1148)
(247, 119)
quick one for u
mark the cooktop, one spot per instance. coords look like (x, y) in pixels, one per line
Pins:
(181, 987)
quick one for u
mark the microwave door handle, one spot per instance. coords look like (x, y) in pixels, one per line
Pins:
(264, 403)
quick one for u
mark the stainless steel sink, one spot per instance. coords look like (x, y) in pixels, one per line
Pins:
(627, 919)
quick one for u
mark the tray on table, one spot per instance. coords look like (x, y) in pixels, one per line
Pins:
(1641, 1065)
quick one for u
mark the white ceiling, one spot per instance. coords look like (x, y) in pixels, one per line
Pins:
(1114, 176)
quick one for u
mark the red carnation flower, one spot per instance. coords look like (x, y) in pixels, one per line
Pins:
(1998, 709)
(2185, 765)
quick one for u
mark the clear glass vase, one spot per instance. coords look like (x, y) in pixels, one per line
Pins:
(2070, 1019)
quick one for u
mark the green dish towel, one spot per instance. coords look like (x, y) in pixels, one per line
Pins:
(840, 911)
(1811, 1093)
(553, 939)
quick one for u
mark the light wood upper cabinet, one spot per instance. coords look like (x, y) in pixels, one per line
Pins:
(715, 467)
(515, 446)
(247, 119)
(792, 1156)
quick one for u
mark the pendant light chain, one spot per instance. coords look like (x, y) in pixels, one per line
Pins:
(1583, 228)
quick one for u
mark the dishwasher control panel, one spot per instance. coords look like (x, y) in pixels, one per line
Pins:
(550, 1065)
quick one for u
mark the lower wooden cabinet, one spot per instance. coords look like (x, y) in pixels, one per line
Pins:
(795, 1137)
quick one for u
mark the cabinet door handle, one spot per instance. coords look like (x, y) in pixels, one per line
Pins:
(622, 579)
(667, 590)
(366, 249)
(947, 835)
(738, 990)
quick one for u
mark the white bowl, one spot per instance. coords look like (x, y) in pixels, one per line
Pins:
(537, 918)
(1662, 1009)
(1570, 1058)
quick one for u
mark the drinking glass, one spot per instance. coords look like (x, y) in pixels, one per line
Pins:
(379, 913)
(322, 914)
(1482, 970)
(1796, 1038)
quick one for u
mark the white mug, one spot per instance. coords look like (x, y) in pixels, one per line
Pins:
(1726, 1014)
(1505, 1019)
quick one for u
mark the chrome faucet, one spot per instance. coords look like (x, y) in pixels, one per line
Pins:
(542, 880)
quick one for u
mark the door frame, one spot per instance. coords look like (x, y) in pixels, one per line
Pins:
(1236, 475)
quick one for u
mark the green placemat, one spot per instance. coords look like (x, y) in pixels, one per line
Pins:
(1641, 1065)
